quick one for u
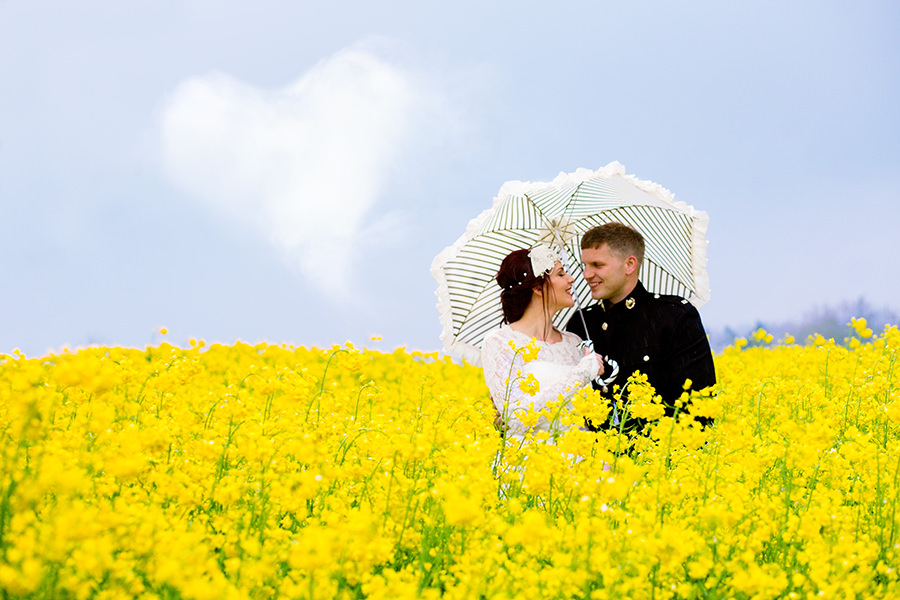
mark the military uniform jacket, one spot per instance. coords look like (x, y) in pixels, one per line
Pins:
(660, 336)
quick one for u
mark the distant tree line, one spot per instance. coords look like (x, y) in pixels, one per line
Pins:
(830, 322)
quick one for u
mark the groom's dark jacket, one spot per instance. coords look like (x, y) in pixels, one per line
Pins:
(661, 336)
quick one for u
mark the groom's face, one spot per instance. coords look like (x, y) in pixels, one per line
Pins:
(605, 273)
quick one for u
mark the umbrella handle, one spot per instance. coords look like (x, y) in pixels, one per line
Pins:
(603, 381)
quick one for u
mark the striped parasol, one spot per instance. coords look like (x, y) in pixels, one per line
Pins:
(526, 214)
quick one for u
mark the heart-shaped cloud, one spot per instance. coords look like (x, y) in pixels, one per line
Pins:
(304, 165)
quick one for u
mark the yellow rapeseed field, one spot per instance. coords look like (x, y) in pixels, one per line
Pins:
(272, 471)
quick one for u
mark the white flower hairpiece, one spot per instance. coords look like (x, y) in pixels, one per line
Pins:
(542, 260)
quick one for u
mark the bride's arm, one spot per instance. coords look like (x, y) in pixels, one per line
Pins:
(565, 380)
(501, 364)
(497, 358)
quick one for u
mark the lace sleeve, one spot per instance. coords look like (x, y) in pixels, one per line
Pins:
(500, 364)
(497, 359)
(560, 379)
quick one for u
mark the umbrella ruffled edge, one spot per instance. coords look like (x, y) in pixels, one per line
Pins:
(701, 274)
(465, 351)
(518, 188)
(699, 222)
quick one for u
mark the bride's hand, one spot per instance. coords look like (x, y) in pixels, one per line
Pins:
(588, 352)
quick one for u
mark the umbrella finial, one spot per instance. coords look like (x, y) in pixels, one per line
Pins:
(557, 232)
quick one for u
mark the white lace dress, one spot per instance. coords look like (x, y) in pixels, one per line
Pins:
(560, 368)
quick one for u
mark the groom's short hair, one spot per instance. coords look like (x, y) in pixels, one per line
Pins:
(624, 241)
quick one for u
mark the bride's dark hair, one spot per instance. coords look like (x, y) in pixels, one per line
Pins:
(517, 281)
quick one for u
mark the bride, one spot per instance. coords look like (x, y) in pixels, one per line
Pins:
(535, 287)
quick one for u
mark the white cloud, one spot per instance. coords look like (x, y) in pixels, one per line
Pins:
(304, 165)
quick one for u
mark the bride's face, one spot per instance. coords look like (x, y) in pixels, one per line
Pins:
(558, 287)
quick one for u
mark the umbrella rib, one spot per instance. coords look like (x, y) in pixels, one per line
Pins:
(567, 205)
(570, 204)
(536, 207)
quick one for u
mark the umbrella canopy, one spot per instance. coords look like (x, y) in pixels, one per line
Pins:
(525, 214)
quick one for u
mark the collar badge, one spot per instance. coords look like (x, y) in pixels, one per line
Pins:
(629, 303)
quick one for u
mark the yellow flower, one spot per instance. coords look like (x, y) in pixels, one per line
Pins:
(647, 410)
(861, 327)
(530, 350)
(529, 417)
(761, 335)
(591, 404)
(265, 470)
(530, 385)
(460, 508)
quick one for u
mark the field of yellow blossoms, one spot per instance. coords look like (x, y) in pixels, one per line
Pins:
(273, 471)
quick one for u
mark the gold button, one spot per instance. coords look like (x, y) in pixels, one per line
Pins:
(604, 326)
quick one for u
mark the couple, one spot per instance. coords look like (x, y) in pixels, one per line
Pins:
(660, 336)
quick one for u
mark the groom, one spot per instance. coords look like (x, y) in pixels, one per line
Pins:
(660, 336)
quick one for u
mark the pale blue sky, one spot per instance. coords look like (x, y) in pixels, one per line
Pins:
(286, 171)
